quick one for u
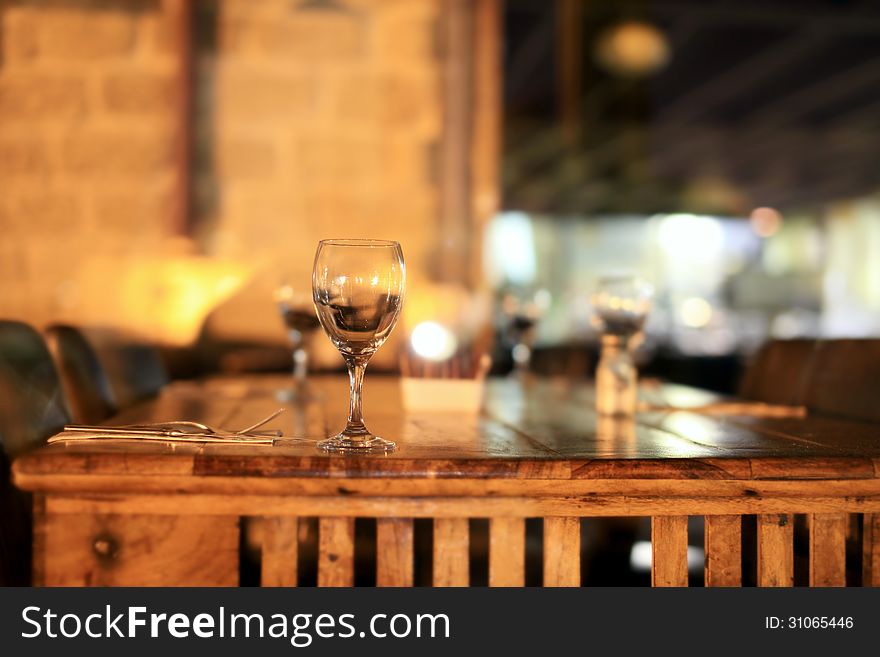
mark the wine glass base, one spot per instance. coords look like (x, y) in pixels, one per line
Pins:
(356, 445)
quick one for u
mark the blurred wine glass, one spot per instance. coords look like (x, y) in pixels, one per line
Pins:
(358, 288)
(521, 311)
(621, 305)
(298, 314)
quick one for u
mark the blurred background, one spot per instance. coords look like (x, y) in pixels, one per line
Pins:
(165, 165)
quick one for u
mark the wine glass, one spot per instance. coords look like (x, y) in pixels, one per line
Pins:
(358, 288)
(522, 309)
(298, 314)
(621, 304)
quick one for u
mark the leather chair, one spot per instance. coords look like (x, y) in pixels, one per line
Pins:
(32, 408)
(135, 370)
(83, 378)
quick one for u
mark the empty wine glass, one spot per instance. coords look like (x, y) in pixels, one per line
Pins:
(358, 288)
(298, 314)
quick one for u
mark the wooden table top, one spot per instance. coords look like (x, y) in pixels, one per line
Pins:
(546, 430)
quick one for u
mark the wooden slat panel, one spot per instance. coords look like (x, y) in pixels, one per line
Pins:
(394, 552)
(871, 550)
(723, 551)
(828, 549)
(669, 551)
(336, 552)
(451, 545)
(137, 550)
(562, 551)
(279, 553)
(507, 552)
(775, 550)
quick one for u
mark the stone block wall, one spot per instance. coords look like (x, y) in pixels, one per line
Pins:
(87, 127)
(312, 120)
(319, 123)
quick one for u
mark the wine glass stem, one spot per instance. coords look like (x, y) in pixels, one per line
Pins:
(300, 365)
(356, 367)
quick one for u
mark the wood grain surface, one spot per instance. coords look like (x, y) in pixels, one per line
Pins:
(136, 550)
(451, 552)
(140, 513)
(775, 550)
(507, 551)
(394, 552)
(562, 551)
(336, 552)
(547, 431)
(669, 542)
(723, 565)
(279, 551)
(828, 549)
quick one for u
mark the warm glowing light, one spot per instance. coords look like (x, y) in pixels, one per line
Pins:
(461, 311)
(695, 312)
(632, 49)
(766, 221)
(433, 341)
(164, 299)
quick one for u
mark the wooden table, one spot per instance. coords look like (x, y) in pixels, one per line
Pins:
(160, 514)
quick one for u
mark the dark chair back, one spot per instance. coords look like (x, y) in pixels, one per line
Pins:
(83, 378)
(845, 379)
(780, 372)
(32, 404)
(32, 408)
(135, 370)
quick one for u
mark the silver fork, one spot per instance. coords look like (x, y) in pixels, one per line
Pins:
(186, 429)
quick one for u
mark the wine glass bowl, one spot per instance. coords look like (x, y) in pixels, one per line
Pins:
(358, 288)
(521, 311)
(298, 314)
(621, 305)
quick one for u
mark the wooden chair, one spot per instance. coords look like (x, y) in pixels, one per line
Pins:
(830, 377)
(83, 378)
(845, 379)
(32, 408)
(780, 372)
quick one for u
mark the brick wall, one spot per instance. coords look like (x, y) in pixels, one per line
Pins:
(87, 123)
(310, 123)
(319, 124)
